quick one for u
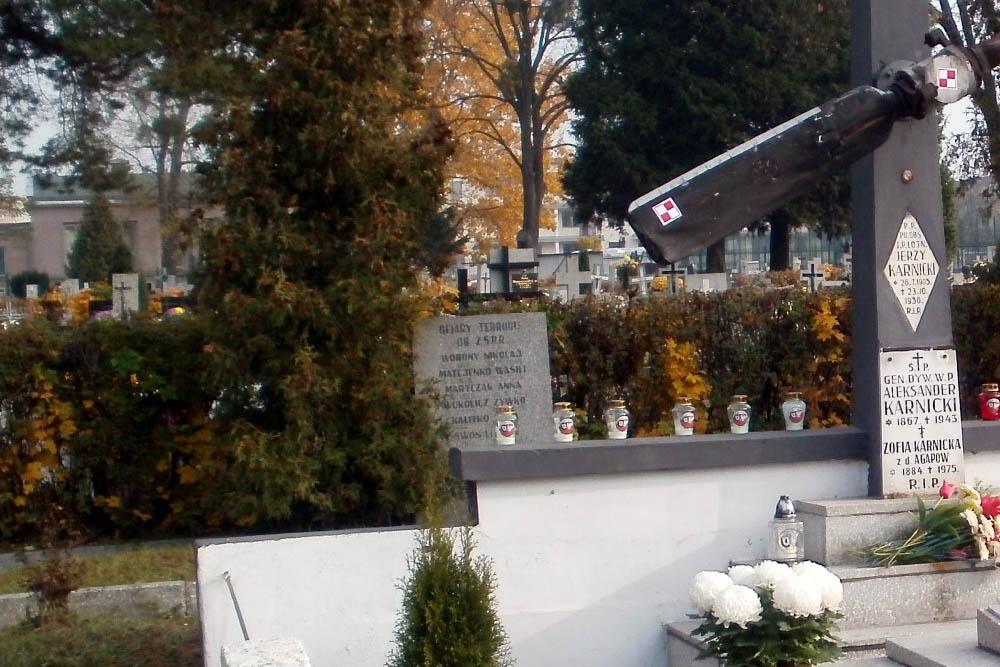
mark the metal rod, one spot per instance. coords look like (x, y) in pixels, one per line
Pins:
(236, 604)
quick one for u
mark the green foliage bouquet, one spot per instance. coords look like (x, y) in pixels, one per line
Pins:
(967, 529)
(770, 615)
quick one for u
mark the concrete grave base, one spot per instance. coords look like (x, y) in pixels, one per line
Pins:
(281, 652)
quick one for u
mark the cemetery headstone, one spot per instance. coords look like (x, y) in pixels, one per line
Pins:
(70, 286)
(514, 270)
(708, 282)
(675, 276)
(124, 294)
(812, 276)
(476, 363)
(31, 291)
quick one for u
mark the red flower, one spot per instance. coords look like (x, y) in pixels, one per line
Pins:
(948, 490)
(991, 506)
(957, 554)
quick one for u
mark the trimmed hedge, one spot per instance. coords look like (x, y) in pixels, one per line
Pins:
(112, 423)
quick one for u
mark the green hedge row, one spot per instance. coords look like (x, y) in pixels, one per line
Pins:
(111, 425)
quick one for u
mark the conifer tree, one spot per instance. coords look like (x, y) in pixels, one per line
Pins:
(98, 250)
(667, 86)
(329, 176)
(449, 616)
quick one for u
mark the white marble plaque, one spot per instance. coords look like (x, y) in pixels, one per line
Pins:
(31, 291)
(921, 421)
(911, 270)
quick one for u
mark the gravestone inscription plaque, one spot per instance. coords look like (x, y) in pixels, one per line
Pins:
(476, 363)
(922, 424)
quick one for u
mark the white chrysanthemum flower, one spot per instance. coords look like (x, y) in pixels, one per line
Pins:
(829, 584)
(706, 587)
(737, 604)
(798, 596)
(768, 573)
(742, 575)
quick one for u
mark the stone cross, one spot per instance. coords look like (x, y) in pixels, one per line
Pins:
(674, 274)
(902, 340)
(813, 276)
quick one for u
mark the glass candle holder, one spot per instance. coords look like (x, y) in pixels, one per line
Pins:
(794, 410)
(989, 403)
(506, 425)
(739, 414)
(684, 416)
(563, 423)
(617, 418)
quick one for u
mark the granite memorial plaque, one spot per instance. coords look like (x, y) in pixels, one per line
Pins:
(921, 423)
(476, 363)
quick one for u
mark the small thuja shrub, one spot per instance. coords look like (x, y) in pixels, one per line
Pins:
(449, 617)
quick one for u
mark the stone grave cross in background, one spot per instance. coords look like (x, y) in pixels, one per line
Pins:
(905, 393)
(125, 294)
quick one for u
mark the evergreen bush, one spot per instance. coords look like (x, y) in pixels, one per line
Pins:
(449, 617)
(99, 249)
(19, 281)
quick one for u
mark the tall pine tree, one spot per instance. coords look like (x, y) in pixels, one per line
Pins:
(98, 250)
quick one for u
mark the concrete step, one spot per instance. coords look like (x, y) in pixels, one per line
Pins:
(836, 529)
(925, 593)
(941, 647)
(862, 647)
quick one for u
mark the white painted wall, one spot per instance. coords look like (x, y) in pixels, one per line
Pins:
(588, 568)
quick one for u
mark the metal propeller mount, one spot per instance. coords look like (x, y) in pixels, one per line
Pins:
(732, 190)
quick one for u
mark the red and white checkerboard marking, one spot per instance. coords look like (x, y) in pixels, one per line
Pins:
(947, 78)
(667, 211)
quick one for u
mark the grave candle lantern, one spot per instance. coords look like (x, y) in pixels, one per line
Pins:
(563, 425)
(989, 403)
(617, 419)
(684, 416)
(739, 414)
(506, 425)
(794, 410)
(786, 542)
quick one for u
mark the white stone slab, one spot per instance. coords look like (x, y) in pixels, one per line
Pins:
(921, 425)
(911, 270)
(281, 652)
(31, 291)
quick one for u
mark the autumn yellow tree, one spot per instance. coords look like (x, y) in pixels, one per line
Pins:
(495, 71)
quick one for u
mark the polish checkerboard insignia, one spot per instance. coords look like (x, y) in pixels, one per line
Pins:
(947, 77)
(667, 211)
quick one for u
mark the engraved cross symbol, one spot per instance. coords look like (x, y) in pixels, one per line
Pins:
(917, 358)
(921, 429)
(121, 288)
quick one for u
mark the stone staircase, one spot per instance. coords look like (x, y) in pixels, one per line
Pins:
(929, 615)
